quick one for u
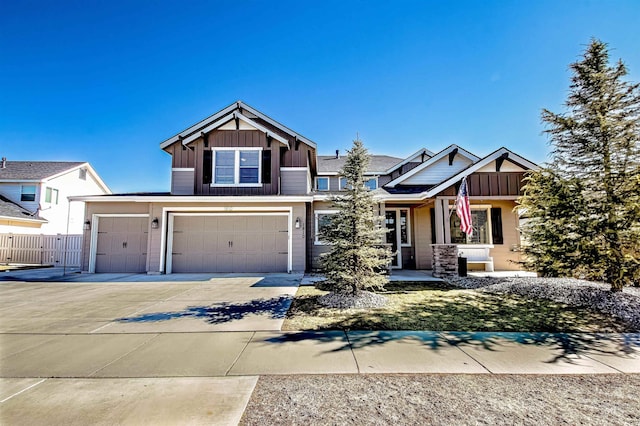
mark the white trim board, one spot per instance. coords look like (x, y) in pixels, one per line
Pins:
(93, 244)
(168, 253)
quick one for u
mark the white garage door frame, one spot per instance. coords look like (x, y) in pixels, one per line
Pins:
(95, 223)
(170, 214)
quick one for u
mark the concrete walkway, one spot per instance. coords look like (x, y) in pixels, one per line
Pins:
(131, 352)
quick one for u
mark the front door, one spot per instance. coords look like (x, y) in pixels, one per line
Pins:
(391, 222)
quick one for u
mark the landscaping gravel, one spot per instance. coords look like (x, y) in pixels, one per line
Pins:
(455, 399)
(362, 299)
(624, 305)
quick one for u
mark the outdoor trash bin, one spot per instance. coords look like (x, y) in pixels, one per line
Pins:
(462, 266)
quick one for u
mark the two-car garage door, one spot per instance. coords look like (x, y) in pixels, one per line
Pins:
(229, 243)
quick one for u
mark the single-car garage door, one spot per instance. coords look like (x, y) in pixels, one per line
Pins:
(229, 243)
(122, 244)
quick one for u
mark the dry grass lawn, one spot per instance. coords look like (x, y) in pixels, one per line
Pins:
(454, 399)
(425, 307)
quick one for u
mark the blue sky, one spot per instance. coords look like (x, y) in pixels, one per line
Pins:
(107, 81)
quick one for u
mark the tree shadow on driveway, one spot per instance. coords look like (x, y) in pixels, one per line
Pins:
(274, 308)
(566, 346)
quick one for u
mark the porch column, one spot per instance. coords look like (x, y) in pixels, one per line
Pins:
(443, 231)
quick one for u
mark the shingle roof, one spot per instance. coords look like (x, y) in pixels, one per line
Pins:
(35, 170)
(378, 163)
(10, 209)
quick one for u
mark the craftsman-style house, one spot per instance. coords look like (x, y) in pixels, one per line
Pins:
(249, 195)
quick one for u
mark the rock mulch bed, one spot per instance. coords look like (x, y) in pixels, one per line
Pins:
(362, 299)
(624, 305)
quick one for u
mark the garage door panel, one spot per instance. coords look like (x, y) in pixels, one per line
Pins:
(121, 244)
(230, 243)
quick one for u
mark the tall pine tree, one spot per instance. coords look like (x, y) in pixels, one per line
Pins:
(596, 167)
(357, 259)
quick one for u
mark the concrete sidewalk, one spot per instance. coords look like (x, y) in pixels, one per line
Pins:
(208, 378)
(217, 354)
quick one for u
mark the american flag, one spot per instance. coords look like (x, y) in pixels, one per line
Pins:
(462, 208)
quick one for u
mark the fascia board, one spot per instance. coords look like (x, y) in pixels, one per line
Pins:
(472, 168)
(428, 163)
(89, 169)
(275, 123)
(220, 121)
(181, 199)
(408, 159)
(20, 219)
(199, 125)
(22, 180)
(225, 119)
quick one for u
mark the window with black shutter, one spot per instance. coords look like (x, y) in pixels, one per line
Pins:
(266, 166)
(496, 225)
(207, 164)
(432, 213)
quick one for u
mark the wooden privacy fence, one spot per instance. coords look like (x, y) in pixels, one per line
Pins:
(41, 249)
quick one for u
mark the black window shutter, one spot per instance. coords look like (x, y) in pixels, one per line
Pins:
(266, 166)
(496, 225)
(207, 164)
(432, 213)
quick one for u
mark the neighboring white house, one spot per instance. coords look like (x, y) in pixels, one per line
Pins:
(33, 196)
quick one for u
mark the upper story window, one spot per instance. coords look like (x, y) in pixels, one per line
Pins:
(51, 196)
(322, 183)
(236, 166)
(28, 193)
(343, 183)
(82, 174)
(371, 183)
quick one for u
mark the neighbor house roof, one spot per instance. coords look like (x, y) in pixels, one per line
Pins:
(9, 209)
(329, 164)
(35, 170)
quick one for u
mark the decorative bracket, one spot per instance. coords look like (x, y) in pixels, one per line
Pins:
(452, 155)
(500, 160)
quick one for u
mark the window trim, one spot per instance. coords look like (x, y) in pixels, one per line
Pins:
(328, 183)
(23, 193)
(49, 193)
(374, 178)
(486, 208)
(398, 211)
(316, 233)
(236, 168)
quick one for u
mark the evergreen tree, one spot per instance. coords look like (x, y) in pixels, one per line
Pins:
(357, 259)
(596, 168)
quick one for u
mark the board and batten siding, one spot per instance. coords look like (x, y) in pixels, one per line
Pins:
(491, 184)
(294, 181)
(236, 139)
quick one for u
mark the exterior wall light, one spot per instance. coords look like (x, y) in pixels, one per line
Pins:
(298, 223)
(87, 225)
(155, 223)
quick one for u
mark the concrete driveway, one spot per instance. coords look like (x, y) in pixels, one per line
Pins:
(119, 303)
(131, 349)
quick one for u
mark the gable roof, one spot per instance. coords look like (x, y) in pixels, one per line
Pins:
(435, 158)
(237, 107)
(36, 170)
(9, 209)
(415, 155)
(509, 155)
(329, 164)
